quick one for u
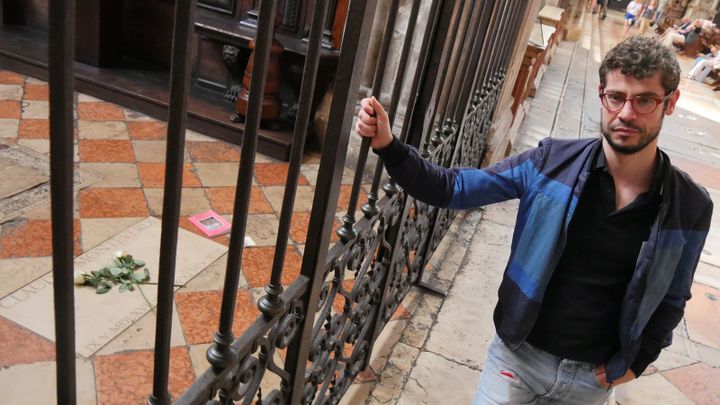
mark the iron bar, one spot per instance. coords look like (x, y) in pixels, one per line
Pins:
(61, 51)
(346, 231)
(448, 52)
(370, 209)
(220, 354)
(458, 49)
(350, 65)
(270, 304)
(466, 56)
(417, 124)
(490, 42)
(471, 73)
(179, 88)
(505, 37)
(501, 38)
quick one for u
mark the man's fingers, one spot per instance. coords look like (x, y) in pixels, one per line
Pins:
(379, 110)
(366, 130)
(367, 118)
(366, 107)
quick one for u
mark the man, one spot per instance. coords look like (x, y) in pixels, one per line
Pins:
(606, 242)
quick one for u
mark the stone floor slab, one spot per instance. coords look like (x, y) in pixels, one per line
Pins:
(114, 174)
(141, 335)
(651, 389)
(702, 314)
(434, 380)
(385, 343)
(17, 272)
(36, 383)
(698, 382)
(142, 240)
(99, 318)
(17, 177)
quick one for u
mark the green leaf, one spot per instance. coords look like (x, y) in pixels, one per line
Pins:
(138, 277)
(123, 287)
(115, 271)
(139, 263)
(102, 288)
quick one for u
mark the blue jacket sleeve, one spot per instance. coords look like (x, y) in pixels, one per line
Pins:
(658, 332)
(461, 188)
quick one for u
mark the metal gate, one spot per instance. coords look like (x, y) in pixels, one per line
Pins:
(460, 71)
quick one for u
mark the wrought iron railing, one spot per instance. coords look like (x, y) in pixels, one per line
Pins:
(315, 335)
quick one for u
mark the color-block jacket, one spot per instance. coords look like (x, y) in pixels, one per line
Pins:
(549, 180)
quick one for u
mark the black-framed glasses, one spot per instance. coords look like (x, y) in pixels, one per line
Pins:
(644, 104)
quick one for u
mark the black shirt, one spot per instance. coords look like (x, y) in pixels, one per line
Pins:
(580, 311)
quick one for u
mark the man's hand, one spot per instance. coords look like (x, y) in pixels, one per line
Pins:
(602, 378)
(373, 123)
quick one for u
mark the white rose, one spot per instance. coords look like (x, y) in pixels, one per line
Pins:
(120, 254)
(79, 278)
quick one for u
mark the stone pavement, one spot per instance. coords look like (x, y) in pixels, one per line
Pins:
(436, 356)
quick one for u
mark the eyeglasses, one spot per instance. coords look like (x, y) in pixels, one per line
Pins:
(615, 102)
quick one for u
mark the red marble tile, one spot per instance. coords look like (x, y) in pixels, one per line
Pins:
(7, 77)
(223, 198)
(274, 174)
(257, 265)
(188, 226)
(365, 376)
(699, 382)
(147, 130)
(112, 203)
(213, 152)
(200, 314)
(106, 151)
(99, 112)
(34, 129)
(299, 228)
(153, 175)
(702, 314)
(707, 175)
(31, 238)
(127, 378)
(21, 346)
(400, 313)
(36, 92)
(10, 109)
(344, 199)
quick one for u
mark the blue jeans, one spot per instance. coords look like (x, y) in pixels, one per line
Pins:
(531, 376)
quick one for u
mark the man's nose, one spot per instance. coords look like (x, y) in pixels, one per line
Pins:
(627, 113)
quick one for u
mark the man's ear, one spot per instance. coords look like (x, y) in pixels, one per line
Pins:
(672, 102)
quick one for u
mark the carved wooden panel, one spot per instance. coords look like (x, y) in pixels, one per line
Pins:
(31, 13)
(223, 6)
(147, 30)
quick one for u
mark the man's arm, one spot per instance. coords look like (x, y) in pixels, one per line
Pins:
(455, 188)
(658, 331)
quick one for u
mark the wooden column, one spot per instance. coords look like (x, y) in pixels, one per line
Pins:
(99, 32)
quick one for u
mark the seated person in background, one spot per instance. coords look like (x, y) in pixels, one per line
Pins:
(704, 64)
(686, 33)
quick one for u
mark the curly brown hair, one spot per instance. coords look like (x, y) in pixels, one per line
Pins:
(642, 57)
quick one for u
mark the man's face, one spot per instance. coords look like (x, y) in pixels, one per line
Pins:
(625, 130)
